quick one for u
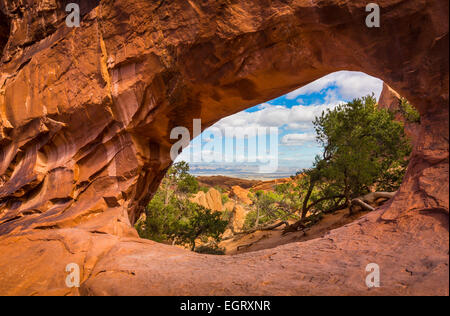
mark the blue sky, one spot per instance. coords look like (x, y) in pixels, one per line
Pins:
(291, 114)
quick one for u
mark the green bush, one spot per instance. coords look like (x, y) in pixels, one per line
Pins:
(220, 189)
(197, 222)
(172, 218)
(204, 189)
(409, 112)
(269, 207)
(188, 185)
(225, 198)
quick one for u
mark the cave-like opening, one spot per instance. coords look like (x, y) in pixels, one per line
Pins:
(253, 170)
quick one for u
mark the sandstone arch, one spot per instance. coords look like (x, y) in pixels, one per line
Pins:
(85, 116)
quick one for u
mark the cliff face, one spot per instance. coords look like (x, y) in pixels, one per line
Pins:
(86, 113)
(212, 200)
(390, 100)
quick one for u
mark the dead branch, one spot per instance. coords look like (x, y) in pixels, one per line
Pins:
(366, 201)
(373, 196)
(362, 204)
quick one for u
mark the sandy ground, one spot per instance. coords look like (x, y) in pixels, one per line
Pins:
(270, 239)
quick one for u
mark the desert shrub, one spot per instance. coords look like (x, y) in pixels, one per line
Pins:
(270, 206)
(204, 189)
(225, 198)
(160, 220)
(250, 220)
(409, 112)
(220, 189)
(172, 218)
(180, 222)
(188, 185)
(197, 222)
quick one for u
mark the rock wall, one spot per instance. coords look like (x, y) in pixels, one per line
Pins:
(240, 195)
(86, 113)
(390, 100)
(211, 200)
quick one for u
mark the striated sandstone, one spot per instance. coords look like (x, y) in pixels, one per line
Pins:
(85, 118)
(229, 206)
(390, 100)
(239, 214)
(212, 200)
(240, 195)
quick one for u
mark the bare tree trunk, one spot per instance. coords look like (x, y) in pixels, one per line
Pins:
(305, 208)
(373, 196)
(348, 200)
(166, 198)
(257, 217)
(366, 201)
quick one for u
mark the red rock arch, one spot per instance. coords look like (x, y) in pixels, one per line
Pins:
(85, 116)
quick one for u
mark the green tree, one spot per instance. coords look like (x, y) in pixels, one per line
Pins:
(178, 180)
(272, 206)
(160, 220)
(188, 185)
(180, 222)
(171, 217)
(362, 146)
(410, 114)
(198, 222)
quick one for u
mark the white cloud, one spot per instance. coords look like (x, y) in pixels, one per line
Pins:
(296, 124)
(298, 117)
(350, 85)
(338, 86)
(297, 139)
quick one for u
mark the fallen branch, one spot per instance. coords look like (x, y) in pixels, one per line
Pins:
(362, 204)
(366, 201)
(373, 196)
(250, 244)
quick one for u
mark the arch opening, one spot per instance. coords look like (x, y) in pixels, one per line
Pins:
(253, 170)
(108, 148)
